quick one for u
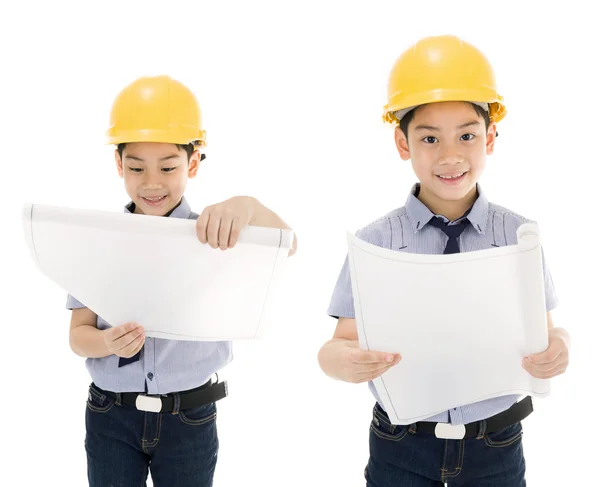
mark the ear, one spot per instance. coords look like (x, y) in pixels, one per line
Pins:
(194, 164)
(490, 139)
(119, 163)
(401, 144)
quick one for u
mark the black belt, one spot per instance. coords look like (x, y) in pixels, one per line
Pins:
(517, 412)
(193, 398)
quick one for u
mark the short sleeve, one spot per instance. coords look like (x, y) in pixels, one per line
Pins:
(72, 303)
(342, 301)
(551, 298)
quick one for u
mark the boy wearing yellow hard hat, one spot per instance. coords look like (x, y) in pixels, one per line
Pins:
(443, 102)
(157, 127)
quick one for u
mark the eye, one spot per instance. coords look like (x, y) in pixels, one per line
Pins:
(169, 169)
(430, 139)
(470, 137)
(135, 169)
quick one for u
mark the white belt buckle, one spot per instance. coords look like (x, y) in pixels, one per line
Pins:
(449, 431)
(148, 403)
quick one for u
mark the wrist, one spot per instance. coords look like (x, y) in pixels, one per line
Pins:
(104, 334)
(254, 206)
(562, 334)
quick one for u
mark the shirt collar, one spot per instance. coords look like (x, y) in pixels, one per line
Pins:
(419, 215)
(182, 210)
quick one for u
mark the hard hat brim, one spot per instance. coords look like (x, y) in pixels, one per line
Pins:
(160, 136)
(482, 95)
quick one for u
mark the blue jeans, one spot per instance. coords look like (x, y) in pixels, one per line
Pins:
(122, 443)
(403, 456)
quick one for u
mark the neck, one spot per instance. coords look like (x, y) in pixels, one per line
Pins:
(451, 209)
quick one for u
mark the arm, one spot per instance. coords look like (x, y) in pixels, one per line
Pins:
(558, 332)
(264, 217)
(220, 225)
(84, 338)
(88, 341)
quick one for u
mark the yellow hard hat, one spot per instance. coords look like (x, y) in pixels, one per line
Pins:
(442, 68)
(156, 109)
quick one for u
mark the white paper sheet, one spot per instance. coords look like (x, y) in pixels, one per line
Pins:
(461, 322)
(155, 272)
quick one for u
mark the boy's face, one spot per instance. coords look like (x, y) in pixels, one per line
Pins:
(446, 139)
(155, 175)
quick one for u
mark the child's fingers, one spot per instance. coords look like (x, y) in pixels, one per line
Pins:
(367, 376)
(545, 371)
(137, 345)
(545, 357)
(212, 231)
(201, 224)
(534, 370)
(371, 357)
(122, 343)
(380, 369)
(131, 349)
(547, 374)
(548, 367)
(373, 368)
(225, 231)
(556, 347)
(117, 332)
(236, 229)
(559, 369)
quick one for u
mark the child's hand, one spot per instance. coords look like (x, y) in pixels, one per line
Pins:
(553, 361)
(125, 340)
(220, 225)
(349, 363)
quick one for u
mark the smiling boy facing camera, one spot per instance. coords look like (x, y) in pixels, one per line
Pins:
(442, 98)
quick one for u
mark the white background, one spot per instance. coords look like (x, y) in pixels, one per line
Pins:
(292, 96)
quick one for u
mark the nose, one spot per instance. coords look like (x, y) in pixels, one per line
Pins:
(152, 180)
(451, 154)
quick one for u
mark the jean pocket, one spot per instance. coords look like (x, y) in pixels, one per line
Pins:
(99, 402)
(200, 415)
(381, 427)
(505, 437)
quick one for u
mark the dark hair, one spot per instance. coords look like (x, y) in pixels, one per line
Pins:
(188, 148)
(410, 115)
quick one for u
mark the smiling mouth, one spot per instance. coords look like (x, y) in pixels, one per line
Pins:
(154, 200)
(450, 178)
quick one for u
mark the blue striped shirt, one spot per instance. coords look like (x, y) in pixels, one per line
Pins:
(165, 365)
(406, 230)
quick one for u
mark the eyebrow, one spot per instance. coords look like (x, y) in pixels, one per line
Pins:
(431, 127)
(167, 158)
